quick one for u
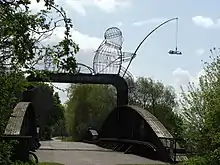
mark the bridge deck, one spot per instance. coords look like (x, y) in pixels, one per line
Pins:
(76, 153)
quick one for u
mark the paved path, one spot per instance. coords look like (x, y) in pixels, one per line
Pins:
(76, 153)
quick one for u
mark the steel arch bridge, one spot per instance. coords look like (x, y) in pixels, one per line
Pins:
(125, 122)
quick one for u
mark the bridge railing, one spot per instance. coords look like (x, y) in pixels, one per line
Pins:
(172, 146)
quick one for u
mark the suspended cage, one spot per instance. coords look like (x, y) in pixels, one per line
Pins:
(108, 57)
(82, 68)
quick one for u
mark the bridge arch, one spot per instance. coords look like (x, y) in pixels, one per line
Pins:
(22, 121)
(126, 122)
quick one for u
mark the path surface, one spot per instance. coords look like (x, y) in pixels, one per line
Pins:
(76, 153)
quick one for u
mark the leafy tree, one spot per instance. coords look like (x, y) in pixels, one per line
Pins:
(22, 34)
(54, 125)
(88, 105)
(12, 85)
(159, 100)
(201, 111)
(21, 47)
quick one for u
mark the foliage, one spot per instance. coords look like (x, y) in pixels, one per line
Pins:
(55, 125)
(22, 163)
(12, 84)
(22, 35)
(22, 47)
(88, 105)
(159, 100)
(201, 111)
(5, 150)
(197, 160)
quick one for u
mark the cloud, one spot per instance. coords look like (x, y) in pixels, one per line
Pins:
(200, 52)
(150, 21)
(107, 6)
(77, 6)
(206, 22)
(111, 5)
(80, 6)
(85, 41)
(37, 6)
(183, 77)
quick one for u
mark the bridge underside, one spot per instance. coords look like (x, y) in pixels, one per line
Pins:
(137, 126)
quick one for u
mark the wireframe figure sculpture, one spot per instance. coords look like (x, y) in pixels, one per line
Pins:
(108, 57)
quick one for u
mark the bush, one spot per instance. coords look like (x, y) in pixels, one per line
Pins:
(5, 153)
(21, 163)
(197, 160)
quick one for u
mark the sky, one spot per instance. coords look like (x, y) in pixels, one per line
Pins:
(198, 32)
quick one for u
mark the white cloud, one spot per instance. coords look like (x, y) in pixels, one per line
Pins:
(183, 77)
(206, 22)
(77, 5)
(80, 6)
(37, 6)
(200, 52)
(107, 6)
(111, 5)
(85, 41)
(150, 21)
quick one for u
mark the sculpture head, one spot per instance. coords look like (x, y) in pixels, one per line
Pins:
(113, 36)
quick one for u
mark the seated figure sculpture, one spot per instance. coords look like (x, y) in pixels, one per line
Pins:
(109, 57)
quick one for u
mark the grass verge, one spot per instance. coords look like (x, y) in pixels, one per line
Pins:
(47, 163)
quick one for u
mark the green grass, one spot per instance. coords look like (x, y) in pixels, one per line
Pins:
(47, 163)
(142, 164)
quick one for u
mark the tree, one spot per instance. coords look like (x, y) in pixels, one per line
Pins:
(22, 34)
(88, 105)
(201, 111)
(159, 100)
(22, 48)
(55, 124)
(12, 86)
